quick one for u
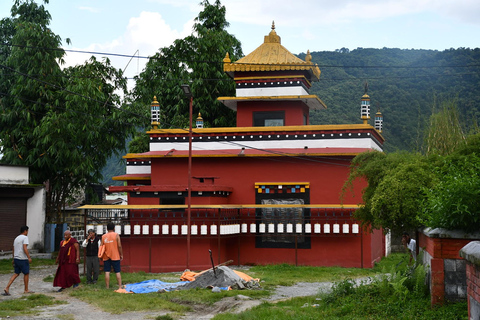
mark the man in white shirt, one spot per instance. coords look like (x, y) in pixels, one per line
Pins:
(410, 245)
(21, 260)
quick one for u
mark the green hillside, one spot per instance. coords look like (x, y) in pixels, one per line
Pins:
(404, 84)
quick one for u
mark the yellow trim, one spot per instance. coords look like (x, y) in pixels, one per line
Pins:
(268, 154)
(225, 130)
(223, 206)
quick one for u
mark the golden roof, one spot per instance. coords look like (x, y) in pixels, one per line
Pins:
(271, 56)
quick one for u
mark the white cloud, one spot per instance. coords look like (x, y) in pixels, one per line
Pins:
(146, 33)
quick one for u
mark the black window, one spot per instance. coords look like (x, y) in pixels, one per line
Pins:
(268, 119)
(283, 220)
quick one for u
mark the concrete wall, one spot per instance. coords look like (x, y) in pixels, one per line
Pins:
(471, 253)
(18, 176)
(36, 217)
(13, 174)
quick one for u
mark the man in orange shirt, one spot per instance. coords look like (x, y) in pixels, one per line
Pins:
(113, 255)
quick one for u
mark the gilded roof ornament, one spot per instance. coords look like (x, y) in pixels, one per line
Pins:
(308, 57)
(227, 58)
(272, 36)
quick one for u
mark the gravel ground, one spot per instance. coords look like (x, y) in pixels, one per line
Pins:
(77, 309)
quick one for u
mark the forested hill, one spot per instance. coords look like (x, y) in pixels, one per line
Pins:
(404, 84)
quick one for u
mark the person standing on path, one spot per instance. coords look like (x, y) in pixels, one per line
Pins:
(113, 255)
(68, 259)
(93, 265)
(411, 245)
(21, 260)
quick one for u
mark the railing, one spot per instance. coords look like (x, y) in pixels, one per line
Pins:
(225, 220)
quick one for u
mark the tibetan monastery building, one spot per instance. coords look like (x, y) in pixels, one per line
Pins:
(264, 192)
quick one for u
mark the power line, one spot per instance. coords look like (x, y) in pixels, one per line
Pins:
(475, 65)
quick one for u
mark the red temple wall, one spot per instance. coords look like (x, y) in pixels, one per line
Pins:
(294, 112)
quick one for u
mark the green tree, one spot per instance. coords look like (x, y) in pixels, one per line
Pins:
(454, 201)
(63, 124)
(393, 195)
(198, 61)
(444, 133)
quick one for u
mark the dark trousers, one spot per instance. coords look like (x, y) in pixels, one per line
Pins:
(93, 268)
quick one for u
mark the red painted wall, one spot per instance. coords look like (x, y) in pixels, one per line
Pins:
(377, 243)
(294, 111)
(326, 176)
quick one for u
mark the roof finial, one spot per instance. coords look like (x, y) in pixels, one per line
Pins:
(227, 58)
(308, 57)
(272, 36)
(366, 87)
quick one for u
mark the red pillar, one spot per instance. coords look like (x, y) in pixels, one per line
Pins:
(438, 286)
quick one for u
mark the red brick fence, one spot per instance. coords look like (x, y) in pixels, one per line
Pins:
(471, 253)
(447, 270)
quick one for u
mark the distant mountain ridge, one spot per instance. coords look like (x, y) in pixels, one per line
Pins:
(404, 84)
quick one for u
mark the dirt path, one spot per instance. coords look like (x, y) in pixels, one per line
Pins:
(77, 309)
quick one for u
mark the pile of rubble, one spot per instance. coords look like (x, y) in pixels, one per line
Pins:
(222, 277)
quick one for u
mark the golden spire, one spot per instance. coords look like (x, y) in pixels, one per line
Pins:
(227, 58)
(308, 57)
(272, 36)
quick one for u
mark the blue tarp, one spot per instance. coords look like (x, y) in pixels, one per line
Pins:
(148, 286)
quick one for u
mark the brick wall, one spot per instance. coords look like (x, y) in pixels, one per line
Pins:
(446, 268)
(471, 253)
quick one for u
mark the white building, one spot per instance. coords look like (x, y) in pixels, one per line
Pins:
(21, 203)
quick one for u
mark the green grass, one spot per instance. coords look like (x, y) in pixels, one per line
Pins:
(180, 301)
(366, 303)
(353, 307)
(176, 301)
(6, 265)
(25, 305)
(287, 275)
(402, 295)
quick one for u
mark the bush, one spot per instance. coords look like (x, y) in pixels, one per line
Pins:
(454, 202)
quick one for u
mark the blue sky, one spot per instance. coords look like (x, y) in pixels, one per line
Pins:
(125, 26)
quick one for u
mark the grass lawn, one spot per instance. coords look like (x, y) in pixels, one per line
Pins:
(354, 307)
(6, 264)
(179, 301)
(25, 305)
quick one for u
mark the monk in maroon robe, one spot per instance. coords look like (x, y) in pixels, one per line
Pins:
(68, 259)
